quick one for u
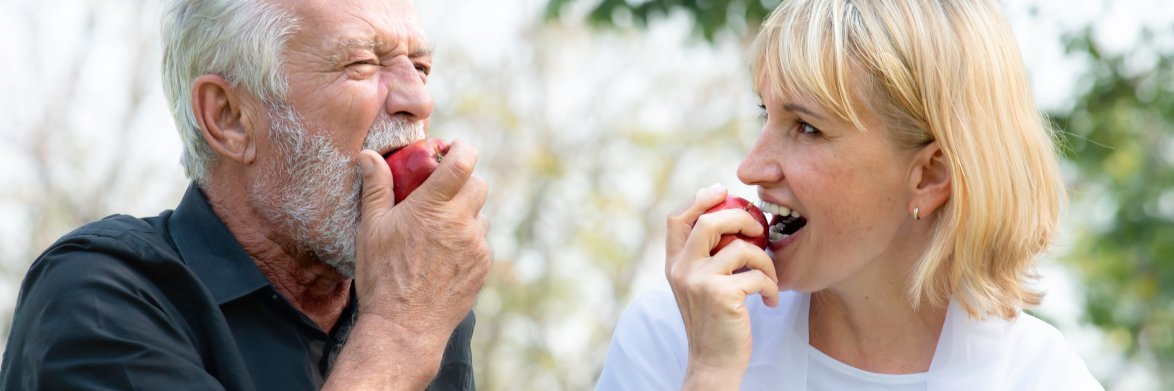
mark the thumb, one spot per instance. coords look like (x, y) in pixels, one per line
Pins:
(377, 197)
(681, 224)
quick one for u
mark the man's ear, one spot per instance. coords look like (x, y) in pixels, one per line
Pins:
(219, 110)
(929, 180)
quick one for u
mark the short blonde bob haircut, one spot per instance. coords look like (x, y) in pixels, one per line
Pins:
(945, 71)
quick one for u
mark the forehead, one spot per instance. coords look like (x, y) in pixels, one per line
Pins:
(379, 24)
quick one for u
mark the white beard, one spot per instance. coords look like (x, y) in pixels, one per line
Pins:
(315, 190)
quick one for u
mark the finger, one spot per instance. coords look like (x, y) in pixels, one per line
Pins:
(740, 254)
(483, 222)
(376, 190)
(681, 223)
(710, 227)
(755, 281)
(454, 170)
(472, 195)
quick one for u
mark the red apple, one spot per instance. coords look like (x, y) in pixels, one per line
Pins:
(735, 202)
(412, 164)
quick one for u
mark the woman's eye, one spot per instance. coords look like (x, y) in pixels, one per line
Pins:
(807, 129)
(762, 113)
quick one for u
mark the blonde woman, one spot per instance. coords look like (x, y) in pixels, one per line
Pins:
(920, 181)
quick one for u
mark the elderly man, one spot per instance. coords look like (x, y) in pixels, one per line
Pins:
(287, 265)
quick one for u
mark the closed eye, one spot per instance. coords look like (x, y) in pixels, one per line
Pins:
(364, 62)
(762, 113)
(362, 69)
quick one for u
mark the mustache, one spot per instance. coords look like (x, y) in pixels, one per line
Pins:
(393, 131)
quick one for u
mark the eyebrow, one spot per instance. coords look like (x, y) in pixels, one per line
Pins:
(800, 108)
(423, 49)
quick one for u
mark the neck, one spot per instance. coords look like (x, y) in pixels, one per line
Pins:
(876, 329)
(313, 287)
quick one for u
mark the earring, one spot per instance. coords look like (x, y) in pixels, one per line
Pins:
(915, 216)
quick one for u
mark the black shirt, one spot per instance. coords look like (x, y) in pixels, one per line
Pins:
(173, 302)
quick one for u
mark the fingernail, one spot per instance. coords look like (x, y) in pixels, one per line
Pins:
(364, 164)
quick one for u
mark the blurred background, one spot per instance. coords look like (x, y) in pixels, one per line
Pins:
(595, 119)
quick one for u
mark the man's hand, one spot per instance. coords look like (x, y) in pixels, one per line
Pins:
(419, 267)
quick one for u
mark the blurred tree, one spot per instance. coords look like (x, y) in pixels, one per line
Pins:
(1118, 137)
(711, 16)
(77, 145)
(588, 139)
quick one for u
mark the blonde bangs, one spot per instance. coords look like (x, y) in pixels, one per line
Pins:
(802, 51)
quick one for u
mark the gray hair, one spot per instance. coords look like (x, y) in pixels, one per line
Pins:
(241, 40)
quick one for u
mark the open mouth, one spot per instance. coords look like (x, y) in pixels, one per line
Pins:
(786, 222)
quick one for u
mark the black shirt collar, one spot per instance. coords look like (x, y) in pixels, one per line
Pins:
(211, 251)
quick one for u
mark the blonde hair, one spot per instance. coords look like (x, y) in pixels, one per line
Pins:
(239, 40)
(947, 71)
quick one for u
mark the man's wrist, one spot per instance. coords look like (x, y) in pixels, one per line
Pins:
(381, 353)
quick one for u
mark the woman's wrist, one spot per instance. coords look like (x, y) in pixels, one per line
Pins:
(707, 377)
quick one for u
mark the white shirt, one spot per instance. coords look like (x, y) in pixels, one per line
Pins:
(649, 351)
(825, 373)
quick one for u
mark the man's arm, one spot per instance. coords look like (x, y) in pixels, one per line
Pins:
(419, 267)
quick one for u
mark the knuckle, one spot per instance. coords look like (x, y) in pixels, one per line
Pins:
(465, 162)
(677, 274)
(706, 222)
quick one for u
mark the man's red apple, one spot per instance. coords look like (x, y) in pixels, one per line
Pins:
(735, 202)
(413, 163)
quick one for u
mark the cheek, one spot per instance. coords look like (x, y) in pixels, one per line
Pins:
(850, 206)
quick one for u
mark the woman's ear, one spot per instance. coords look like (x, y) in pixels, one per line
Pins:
(929, 180)
(219, 111)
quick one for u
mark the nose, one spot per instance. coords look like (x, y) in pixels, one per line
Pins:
(760, 166)
(407, 94)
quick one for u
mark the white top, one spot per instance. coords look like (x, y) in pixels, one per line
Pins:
(649, 351)
(825, 373)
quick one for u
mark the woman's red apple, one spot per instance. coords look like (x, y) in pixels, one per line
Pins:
(412, 164)
(735, 202)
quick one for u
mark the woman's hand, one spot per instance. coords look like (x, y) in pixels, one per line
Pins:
(710, 296)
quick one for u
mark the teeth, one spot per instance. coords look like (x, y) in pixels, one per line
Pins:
(775, 233)
(777, 210)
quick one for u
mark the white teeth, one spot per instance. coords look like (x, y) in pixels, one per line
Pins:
(776, 235)
(777, 210)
